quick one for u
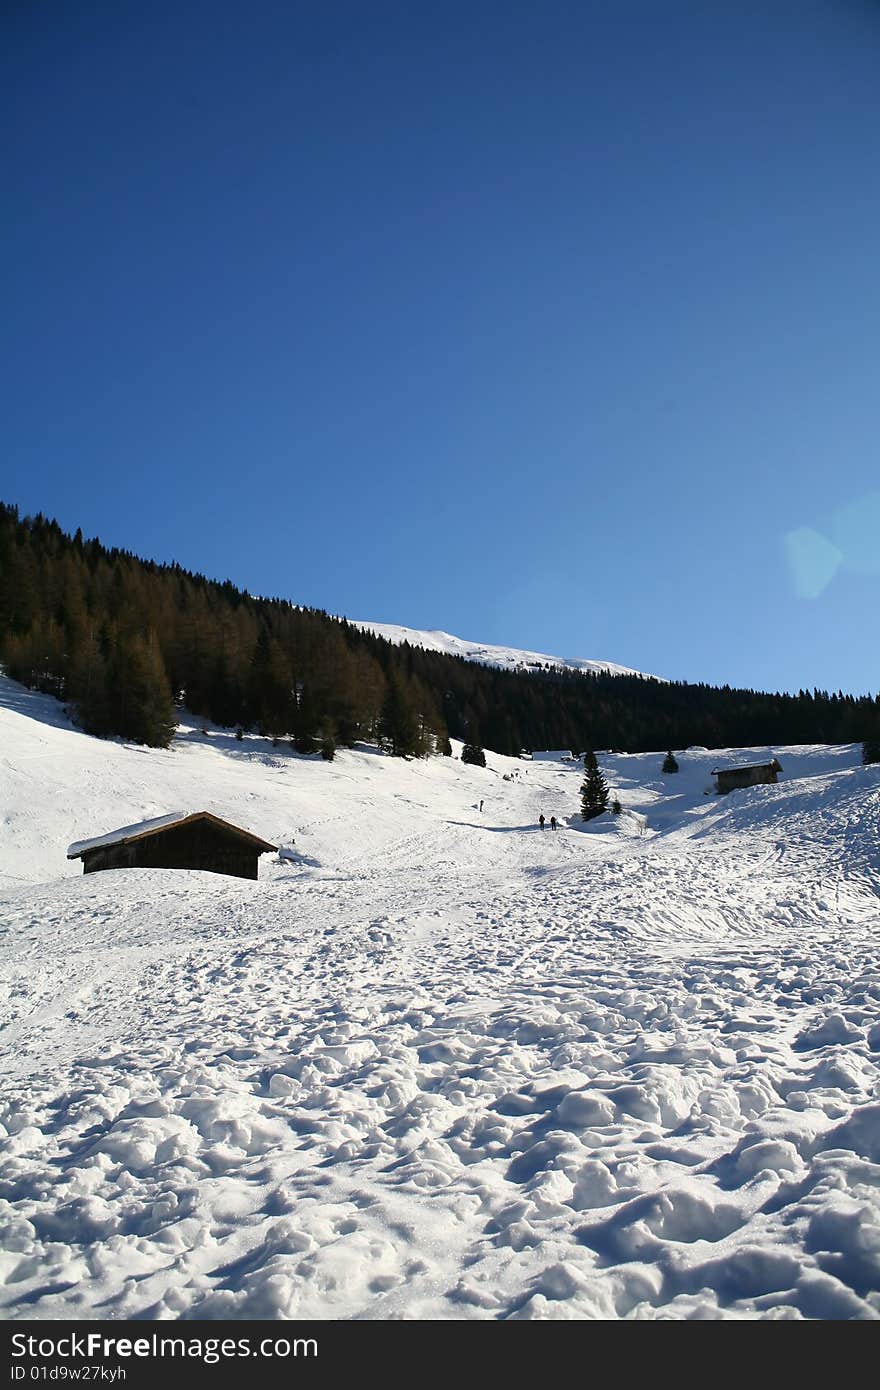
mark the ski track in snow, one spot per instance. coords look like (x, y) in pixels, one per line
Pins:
(442, 1065)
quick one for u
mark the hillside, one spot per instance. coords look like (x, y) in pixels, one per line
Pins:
(438, 1063)
(124, 642)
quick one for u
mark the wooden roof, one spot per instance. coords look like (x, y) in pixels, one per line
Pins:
(129, 833)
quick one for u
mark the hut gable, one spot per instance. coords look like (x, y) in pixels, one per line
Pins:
(728, 779)
(179, 840)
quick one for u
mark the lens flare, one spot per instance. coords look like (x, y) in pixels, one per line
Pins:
(812, 559)
(855, 530)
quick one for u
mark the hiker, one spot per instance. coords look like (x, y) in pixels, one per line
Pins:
(552, 822)
(541, 820)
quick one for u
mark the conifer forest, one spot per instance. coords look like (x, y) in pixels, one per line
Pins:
(123, 642)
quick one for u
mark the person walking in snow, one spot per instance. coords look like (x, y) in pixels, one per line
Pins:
(481, 805)
(541, 820)
(552, 822)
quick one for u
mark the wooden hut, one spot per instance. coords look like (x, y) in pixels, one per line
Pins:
(181, 840)
(727, 779)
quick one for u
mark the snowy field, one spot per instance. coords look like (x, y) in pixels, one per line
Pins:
(438, 1064)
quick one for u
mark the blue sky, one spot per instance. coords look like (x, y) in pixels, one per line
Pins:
(551, 325)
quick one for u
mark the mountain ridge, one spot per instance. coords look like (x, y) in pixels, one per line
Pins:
(493, 654)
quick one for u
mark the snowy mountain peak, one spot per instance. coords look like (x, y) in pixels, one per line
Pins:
(506, 658)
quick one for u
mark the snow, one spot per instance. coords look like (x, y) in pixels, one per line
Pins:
(126, 832)
(507, 658)
(130, 832)
(436, 1063)
(738, 763)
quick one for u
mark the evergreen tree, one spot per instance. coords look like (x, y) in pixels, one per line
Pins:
(399, 725)
(271, 686)
(370, 688)
(472, 753)
(224, 700)
(871, 750)
(669, 763)
(139, 693)
(88, 684)
(328, 741)
(594, 789)
(305, 722)
(38, 658)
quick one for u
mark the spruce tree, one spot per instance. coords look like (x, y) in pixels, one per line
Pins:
(399, 727)
(271, 687)
(669, 763)
(328, 741)
(305, 722)
(871, 750)
(139, 692)
(594, 789)
(472, 753)
(89, 685)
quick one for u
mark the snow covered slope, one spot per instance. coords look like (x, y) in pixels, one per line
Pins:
(509, 658)
(438, 1063)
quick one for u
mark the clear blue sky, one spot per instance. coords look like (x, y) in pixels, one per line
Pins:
(556, 325)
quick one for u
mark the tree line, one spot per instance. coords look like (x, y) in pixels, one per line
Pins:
(125, 641)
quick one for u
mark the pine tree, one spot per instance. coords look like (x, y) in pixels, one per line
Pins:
(399, 729)
(871, 750)
(271, 686)
(89, 687)
(669, 763)
(140, 693)
(305, 722)
(594, 789)
(328, 741)
(472, 753)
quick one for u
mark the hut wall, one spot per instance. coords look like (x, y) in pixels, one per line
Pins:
(199, 845)
(732, 778)
(109, 857)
